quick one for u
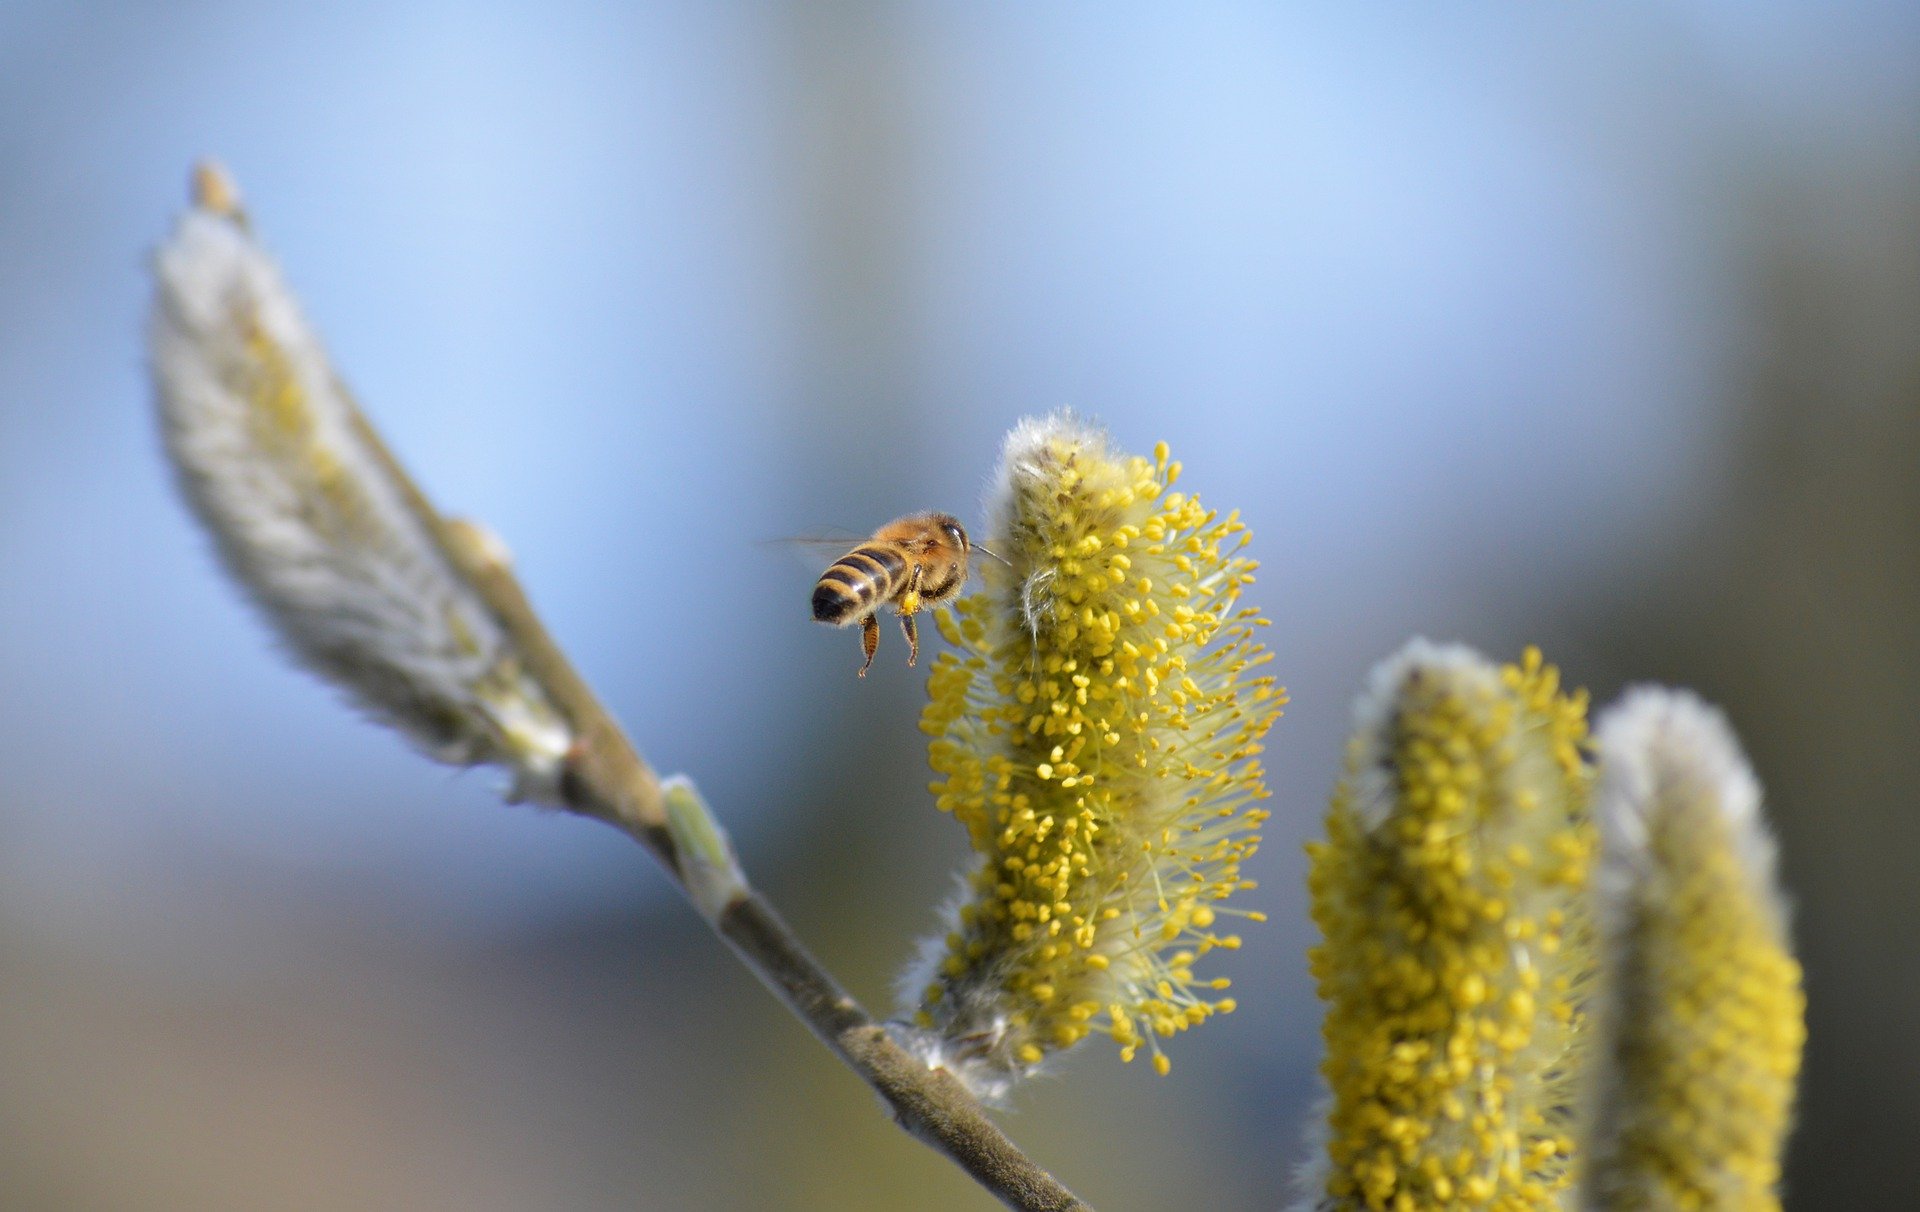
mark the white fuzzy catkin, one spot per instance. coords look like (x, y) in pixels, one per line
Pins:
(1702, 1020)
(313, 518)
(1655, 744)
(1374, 781)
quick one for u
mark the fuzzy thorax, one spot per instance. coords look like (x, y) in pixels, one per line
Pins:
(1097, 732)
(1450, 897)
(1703, 1019)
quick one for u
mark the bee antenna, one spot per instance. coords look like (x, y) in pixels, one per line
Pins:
(992, 555)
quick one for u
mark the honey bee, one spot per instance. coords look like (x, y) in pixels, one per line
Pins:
(911, 563)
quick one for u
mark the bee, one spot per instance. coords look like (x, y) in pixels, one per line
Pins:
(911, 563)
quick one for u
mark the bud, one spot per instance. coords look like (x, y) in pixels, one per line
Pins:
(703, 850)
(315, 519)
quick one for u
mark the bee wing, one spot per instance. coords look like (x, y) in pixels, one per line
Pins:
(815, 551)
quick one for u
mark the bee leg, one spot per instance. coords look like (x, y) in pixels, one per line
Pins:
(913, 638)
(869, 641)
(909, 599)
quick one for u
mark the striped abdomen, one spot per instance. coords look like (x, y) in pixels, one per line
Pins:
(858, 582)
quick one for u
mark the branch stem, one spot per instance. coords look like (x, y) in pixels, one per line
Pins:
(930, 1104)
(607, 779)
(601, 775)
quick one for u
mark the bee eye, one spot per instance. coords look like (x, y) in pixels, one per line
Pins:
(958, 535)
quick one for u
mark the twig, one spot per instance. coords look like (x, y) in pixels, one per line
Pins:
(240, 413)
(607, 779)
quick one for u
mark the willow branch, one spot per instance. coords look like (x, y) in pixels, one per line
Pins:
(606, 779)
(422, 621)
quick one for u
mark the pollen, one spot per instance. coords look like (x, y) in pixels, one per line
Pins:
(1452, 975)
(1097, 733)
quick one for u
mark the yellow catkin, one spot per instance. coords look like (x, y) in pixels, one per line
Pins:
(1703, 1020)
(1449, 894)
(1097, 732)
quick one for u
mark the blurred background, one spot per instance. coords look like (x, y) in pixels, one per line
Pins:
(1592, 329)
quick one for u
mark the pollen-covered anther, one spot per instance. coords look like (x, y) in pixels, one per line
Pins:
(1114, 707)
(1450, 1032)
